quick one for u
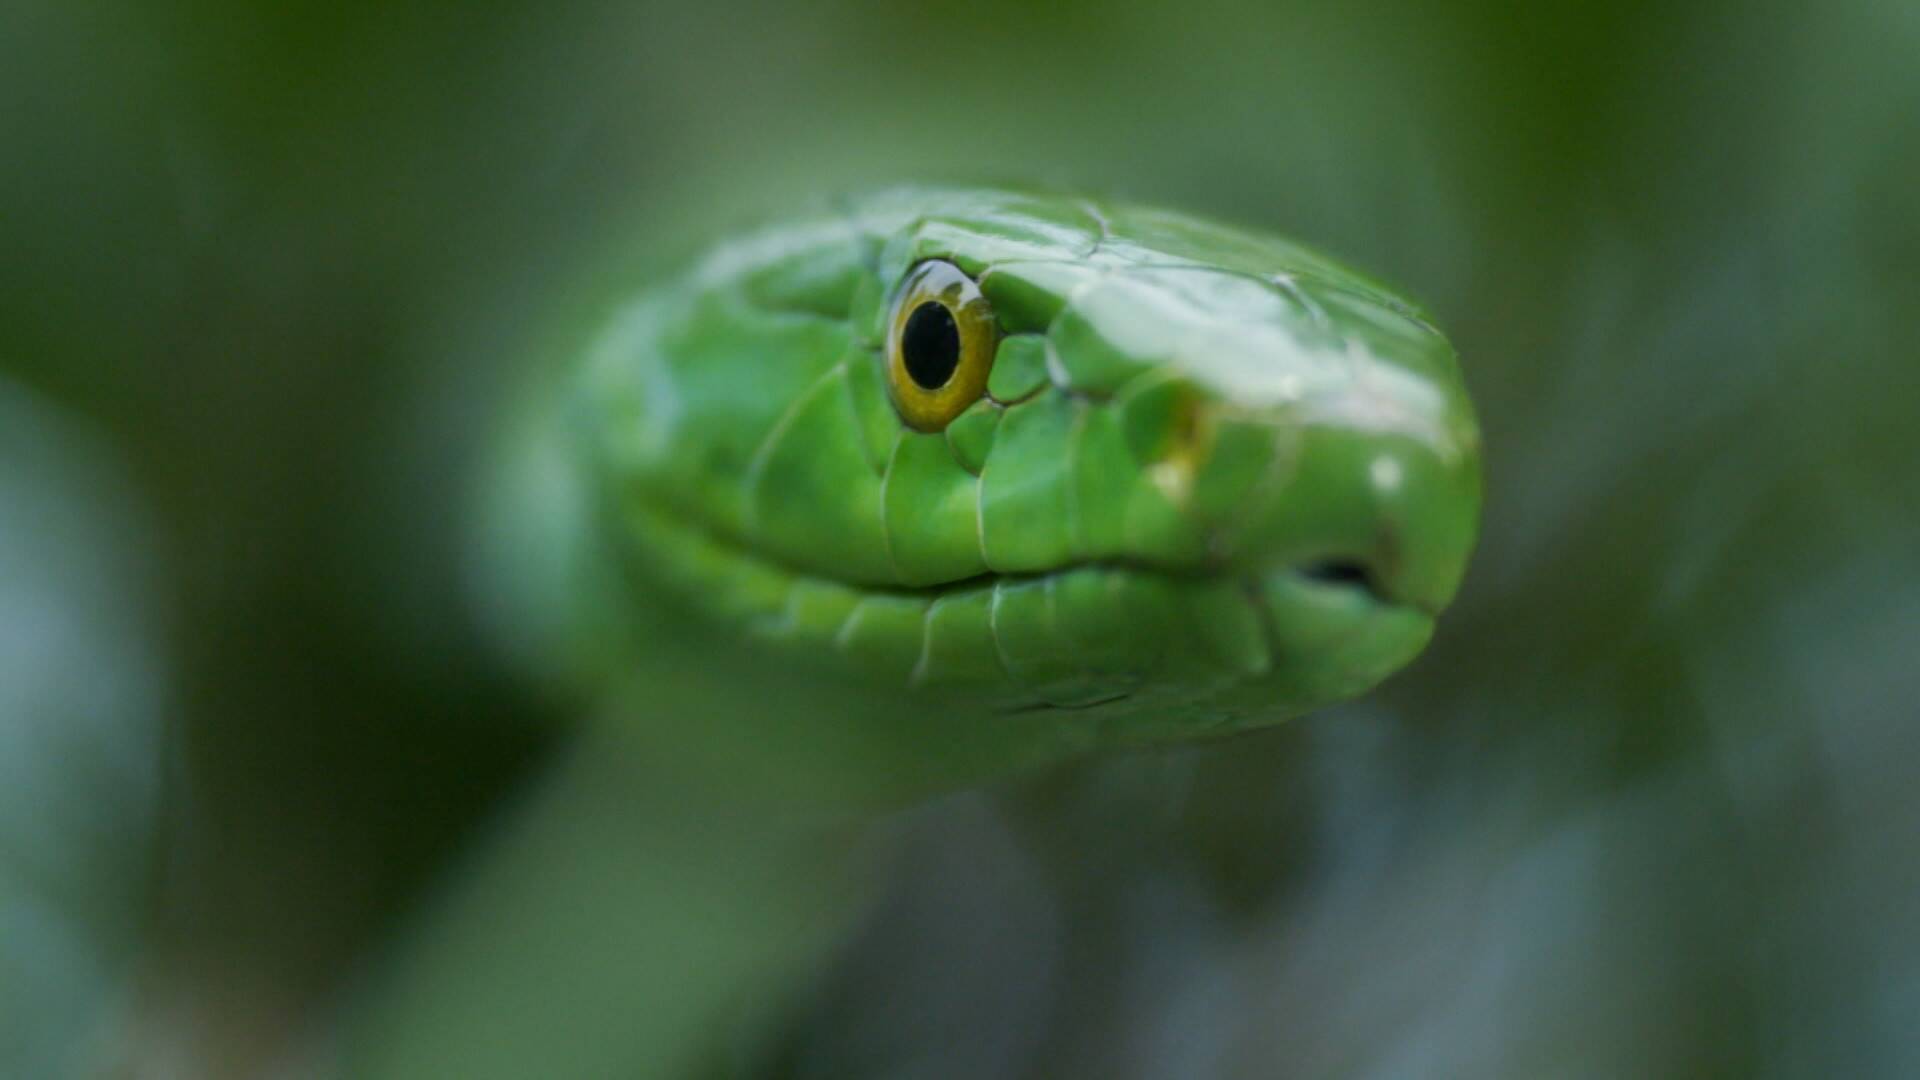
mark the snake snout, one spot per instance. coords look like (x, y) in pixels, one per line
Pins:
(1343, 508)
(1389, 517)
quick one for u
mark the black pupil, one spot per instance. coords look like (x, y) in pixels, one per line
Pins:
(930, 345)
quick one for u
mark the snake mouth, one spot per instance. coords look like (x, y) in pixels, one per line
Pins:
(1119, 635)
(1317, 632)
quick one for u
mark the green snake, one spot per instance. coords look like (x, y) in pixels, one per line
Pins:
(1042, 454)
(928, 487)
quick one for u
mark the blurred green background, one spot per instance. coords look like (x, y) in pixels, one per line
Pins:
(1647, 807)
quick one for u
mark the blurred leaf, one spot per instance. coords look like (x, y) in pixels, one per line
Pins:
(80, 756)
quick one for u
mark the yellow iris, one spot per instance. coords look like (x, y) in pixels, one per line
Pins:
(940, 344)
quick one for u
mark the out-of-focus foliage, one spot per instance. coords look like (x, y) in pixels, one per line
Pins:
(1642, 810)
(80, 747)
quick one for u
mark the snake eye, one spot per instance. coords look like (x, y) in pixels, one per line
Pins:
(940, 344)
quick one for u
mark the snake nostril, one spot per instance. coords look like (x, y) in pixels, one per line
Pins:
(1349, 573)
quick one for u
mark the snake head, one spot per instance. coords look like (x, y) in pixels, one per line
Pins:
(1037, 454)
